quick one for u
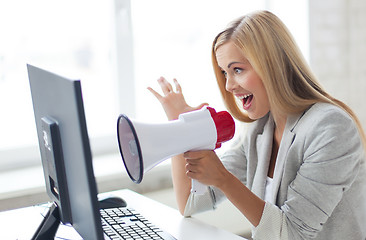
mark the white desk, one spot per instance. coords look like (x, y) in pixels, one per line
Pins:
(22, 223)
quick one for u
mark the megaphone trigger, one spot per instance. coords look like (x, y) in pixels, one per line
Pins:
(198, 188)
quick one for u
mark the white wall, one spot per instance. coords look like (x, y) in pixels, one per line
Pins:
(338, 49)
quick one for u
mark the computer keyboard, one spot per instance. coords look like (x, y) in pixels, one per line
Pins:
(126, 223)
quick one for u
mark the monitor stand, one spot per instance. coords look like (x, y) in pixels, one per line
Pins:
(56, 184)
(49, 225)
(48, 228)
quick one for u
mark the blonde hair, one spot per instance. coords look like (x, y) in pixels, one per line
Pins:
(274, 55)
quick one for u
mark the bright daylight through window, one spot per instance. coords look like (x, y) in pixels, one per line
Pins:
(70, 38)
(79, 39)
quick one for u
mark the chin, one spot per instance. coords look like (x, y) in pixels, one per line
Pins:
(256, 116)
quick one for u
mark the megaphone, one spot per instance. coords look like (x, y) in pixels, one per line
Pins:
(143, 145)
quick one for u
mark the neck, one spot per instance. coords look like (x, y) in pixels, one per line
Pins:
(280, 123)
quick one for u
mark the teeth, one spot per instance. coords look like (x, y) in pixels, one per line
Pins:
(245, 96)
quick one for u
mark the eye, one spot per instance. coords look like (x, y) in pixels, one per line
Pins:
(224, 73)
(238, 70)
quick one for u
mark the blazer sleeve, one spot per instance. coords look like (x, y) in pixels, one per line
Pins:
(331, 149)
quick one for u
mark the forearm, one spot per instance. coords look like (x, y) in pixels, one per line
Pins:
(181, 183)
(245, 200)
(174, 104)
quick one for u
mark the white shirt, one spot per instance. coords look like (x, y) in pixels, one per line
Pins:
(269, 190)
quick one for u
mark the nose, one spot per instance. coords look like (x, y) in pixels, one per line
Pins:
(230, 84)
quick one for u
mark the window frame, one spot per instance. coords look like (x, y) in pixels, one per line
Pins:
(29, 156)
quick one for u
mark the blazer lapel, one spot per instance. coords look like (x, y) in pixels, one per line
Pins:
(286, 142)
(264, 146)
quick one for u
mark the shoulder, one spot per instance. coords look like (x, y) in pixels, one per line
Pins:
(322, 116)
(328, 127)
(326, 110)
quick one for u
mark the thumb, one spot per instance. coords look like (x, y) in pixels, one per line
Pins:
(201, 106)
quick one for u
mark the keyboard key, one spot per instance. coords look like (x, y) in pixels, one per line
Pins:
(126, 223)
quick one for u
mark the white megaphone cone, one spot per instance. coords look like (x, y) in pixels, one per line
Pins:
(144, 145)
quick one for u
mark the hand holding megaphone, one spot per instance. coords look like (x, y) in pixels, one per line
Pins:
(143, 145)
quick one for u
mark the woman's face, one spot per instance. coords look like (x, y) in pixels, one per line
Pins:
(242, 80)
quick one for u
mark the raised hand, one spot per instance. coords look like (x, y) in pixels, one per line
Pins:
(173, 101)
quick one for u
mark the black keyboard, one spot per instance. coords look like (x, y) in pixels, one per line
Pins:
(126, 223)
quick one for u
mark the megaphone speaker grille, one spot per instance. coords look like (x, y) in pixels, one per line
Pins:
(129, 147)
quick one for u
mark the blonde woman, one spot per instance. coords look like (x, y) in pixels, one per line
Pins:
(299, 172)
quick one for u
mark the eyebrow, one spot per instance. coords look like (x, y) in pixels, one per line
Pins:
(229, 65)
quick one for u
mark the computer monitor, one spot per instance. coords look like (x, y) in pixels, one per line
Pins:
(66, 155)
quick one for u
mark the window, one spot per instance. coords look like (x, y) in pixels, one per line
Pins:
(117, 48)
(71, 38)
(173, 39)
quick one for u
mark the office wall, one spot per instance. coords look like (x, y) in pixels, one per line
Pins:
(338, 49)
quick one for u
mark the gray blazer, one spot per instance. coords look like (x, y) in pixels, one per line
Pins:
(319, 183)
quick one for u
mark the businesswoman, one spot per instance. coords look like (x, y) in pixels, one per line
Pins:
(299, 170)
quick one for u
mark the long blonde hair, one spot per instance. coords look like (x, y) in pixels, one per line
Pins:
(274, 55)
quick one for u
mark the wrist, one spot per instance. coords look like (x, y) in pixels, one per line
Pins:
(174, 115)
(226, 181)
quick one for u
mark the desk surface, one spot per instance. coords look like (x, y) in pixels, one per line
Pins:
(22, 223)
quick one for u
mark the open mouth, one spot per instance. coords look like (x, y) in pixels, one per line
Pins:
(247, 101)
